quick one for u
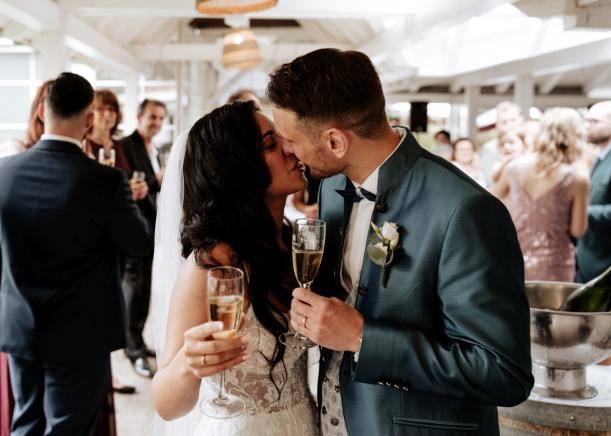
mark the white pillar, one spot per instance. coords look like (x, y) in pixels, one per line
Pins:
(179, 121)
(197, 92)
(524, 93)
(130, 111)
(454, 120)
(50, 48)
(472, 94)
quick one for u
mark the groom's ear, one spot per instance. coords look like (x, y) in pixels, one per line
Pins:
(337, 141)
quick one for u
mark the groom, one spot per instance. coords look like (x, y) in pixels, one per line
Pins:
(445, 340)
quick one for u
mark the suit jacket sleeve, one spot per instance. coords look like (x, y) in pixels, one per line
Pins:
(600, 215)
(128, 228)
(485, 354)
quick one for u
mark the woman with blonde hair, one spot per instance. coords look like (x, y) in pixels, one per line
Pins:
(34, 130)
(548, 197)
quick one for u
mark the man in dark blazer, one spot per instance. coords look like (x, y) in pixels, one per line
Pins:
(141, 155)
(437, 344)
(63, 219)
(594, 249)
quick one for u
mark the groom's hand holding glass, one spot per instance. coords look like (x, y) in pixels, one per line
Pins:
(329, 322)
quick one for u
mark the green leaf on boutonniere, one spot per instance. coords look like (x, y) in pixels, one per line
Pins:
(377, 253)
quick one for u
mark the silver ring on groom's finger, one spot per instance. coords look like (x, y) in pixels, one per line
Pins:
(303, 323)
(203, 360)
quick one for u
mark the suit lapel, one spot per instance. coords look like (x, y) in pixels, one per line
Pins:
(392, 174)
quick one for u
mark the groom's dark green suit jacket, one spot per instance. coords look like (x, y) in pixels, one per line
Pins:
(448, 339)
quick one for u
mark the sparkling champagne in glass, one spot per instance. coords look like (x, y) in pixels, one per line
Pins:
(226, 298)
(107, 157)
(307, 247)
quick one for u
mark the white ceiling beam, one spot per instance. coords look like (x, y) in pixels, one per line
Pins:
(502, 88)
(594, 16)
(39, 15)
(598, 80)
(411, 30)
(291, 9)
(566, 59)
(92, 43)
(550, 83)
(546, 8)
(212, 51)
(16, 31)
(455, 87)
(45, 15)
(488, 101)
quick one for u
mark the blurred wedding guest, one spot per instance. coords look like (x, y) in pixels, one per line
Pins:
(530, 131)
(34, 130)
(63, 219)
(548, 198)
(511, 145)
(142, 157)
(245, 95)
(465, 157)
(9, 148)
(508, 117)
(106, 119)
(394, 121)
(443, 145)
(594, 249)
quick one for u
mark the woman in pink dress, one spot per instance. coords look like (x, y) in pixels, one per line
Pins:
(548, 197)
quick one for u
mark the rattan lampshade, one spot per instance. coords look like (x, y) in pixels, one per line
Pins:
(240, 50)
(220, 7)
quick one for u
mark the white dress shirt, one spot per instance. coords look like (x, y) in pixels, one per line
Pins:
(358, 227)
(51, 137)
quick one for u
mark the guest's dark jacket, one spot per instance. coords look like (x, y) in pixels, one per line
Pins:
(594, 249)
(139, 160)
(447, 340)
(63, 219)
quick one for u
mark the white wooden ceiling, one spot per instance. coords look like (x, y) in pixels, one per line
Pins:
(416, 45)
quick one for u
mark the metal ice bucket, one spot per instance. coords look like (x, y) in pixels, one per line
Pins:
(564, 343)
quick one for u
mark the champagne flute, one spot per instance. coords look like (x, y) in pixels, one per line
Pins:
(226, 298)
(107, 157)
(138, 176)
(307, 247)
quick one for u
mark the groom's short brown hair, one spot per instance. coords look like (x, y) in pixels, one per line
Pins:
(331, 86)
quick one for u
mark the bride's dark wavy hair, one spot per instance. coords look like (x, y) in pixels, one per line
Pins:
(225, 178)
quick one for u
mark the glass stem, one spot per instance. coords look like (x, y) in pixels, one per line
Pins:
(222, 396)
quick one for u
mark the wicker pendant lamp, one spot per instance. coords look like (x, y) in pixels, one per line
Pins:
(240, 50)
(221, 7)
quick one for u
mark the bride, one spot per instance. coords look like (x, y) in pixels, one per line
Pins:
(236, 180)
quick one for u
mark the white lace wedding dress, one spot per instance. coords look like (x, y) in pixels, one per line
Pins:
(268, 413)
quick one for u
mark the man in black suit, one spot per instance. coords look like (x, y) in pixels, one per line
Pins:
(142, 156)
(594, 249)
(63, 219)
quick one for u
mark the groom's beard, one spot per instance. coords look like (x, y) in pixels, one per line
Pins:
(326, 165)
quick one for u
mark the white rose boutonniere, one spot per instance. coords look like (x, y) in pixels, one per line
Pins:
(382, 245)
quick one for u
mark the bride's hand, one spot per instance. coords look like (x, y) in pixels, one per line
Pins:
(206, 356)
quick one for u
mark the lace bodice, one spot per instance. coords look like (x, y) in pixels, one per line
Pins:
(543, 229)
(268, 412)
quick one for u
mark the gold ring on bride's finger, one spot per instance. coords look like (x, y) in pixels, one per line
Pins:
(303, 323)
(203, 360)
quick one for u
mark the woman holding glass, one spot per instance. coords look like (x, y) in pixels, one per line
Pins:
(100, 143)
(236, 179)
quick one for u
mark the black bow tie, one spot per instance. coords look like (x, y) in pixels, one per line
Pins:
(356, 195)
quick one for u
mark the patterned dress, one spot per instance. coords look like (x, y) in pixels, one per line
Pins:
(268, 413)
(543, 229)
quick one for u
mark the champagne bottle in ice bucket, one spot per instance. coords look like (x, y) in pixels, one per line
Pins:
(594, 296)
